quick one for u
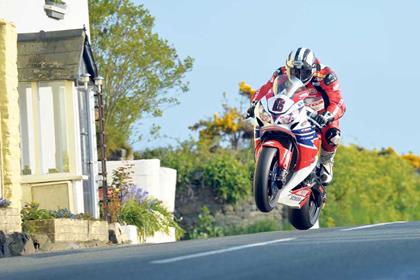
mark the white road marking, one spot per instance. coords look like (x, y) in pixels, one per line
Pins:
(221, 251)
(371, 226)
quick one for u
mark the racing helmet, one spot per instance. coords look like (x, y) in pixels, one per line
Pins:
(301, 64)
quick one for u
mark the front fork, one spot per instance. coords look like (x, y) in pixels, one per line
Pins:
(284, 153)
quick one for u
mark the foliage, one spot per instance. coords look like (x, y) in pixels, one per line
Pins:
(140, 68)
(227, 176)
(371, 187)
(63, 214)
(226, 172)
(4, 203)
(229, 126)
(32, 212)
(150, 216)
(132, 205)
(121, 184)
(246, 90)
(206, 226)
(413, 159)
(186, 159)
(122, 176)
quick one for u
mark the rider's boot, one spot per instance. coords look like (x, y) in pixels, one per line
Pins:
(326, 166)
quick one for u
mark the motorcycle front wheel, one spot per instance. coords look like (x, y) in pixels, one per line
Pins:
(305, 217)
(266, 191)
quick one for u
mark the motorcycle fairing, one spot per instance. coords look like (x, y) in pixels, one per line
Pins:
(287, 197)
(299, 197)
(309, 142)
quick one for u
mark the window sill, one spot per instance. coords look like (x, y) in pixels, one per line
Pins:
(30, 179)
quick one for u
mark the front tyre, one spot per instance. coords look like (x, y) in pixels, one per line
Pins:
(305, 217)
(266, 190)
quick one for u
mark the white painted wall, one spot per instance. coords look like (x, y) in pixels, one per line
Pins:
(29, 15)
(159, 181)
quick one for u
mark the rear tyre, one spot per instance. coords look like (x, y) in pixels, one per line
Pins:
(306, 217)
(265, 184)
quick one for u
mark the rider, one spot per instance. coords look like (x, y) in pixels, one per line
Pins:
(324, 97)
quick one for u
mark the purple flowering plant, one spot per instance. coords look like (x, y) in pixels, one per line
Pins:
(4, 203)
(133, 192)
(124, 185)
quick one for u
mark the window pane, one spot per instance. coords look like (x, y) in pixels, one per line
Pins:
(52, 120)
(47, 129)
(26, 129)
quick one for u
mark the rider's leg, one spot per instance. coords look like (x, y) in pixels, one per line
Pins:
(330, 140)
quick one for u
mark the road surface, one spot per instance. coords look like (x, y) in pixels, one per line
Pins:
(381, 251)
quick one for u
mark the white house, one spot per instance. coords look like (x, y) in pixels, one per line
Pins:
(56, 102)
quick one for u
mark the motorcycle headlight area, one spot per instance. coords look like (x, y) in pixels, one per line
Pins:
(263, 115)
(288, 117)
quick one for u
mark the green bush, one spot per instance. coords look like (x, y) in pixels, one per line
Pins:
(371, 187)
(226, 172)
(206, 226)
(185, 159)
(150, 216)
(227, 176)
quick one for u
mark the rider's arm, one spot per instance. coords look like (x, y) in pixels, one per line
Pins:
(331, 87)
(267, 86)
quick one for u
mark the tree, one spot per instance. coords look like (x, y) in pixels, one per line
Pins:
(230, 126)
(138, 65)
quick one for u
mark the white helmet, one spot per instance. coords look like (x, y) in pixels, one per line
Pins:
(301, 64)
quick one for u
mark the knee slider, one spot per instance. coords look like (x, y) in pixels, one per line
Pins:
(333, 136)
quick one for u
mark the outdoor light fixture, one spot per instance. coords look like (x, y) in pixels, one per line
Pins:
(84, 79)
(99, 81)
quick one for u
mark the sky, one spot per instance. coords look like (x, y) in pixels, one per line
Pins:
(373, 46)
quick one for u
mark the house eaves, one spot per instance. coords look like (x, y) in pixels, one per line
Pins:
(54, 55)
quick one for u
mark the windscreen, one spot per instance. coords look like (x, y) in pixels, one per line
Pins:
(283, 85)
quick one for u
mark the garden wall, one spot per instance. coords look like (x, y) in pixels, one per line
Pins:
(65, 230)
(10, 220)
(244, 213)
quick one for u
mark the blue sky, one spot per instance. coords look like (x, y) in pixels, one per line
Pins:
(374, 47)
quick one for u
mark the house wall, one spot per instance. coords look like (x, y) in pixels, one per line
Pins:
(10, 187)
(29, 15)
(9, 119)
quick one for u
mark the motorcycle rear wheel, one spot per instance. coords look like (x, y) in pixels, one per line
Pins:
(305, 217)
(266, 191)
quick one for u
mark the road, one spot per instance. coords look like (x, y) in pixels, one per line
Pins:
(381, 251)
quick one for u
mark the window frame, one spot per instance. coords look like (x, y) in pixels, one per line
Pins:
(71, 126)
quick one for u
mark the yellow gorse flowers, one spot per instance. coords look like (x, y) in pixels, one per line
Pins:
(246, 89)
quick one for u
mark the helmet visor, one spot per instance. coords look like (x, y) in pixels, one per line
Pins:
(304, 73)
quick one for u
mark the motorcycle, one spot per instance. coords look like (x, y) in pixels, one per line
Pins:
(287, 154)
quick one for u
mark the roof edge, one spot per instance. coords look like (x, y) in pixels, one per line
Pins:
(49, 35)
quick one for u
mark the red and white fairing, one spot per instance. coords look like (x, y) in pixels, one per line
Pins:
(283, 110)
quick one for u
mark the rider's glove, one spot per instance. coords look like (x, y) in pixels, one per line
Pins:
(324, 118)
(250, 111)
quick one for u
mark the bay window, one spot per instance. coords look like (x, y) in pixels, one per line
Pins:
(43, 116)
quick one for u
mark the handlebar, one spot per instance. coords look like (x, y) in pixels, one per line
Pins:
(311, 113)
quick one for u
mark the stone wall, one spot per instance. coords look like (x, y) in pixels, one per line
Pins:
(10, 220)
(9, 116)
(189, 202)
(65, 230)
